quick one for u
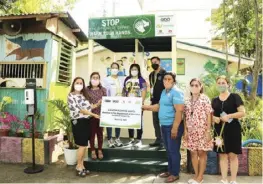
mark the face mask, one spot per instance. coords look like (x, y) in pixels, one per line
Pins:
(134, 73)
(194, 90)
(78, 87)
(114, 71)
(168, 85)
(95, 82)
(155, 66)
(222, 89)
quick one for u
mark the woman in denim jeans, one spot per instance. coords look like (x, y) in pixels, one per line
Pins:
(170, 107)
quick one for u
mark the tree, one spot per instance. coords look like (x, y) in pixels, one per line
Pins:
(257, 68)
(34, 6)
(241, 14)
(244, 31)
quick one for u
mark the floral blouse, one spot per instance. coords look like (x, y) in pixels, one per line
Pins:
(76, 102)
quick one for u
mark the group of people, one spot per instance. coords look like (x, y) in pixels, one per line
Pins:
(200, 125)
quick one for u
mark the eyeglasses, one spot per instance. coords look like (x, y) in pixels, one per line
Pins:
(194, 85)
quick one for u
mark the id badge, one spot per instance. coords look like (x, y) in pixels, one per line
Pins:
(151, 91)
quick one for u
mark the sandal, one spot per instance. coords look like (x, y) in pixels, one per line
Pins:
(164, 175)
(81, 173)
(171, 179)
(93, 155)
(86, 171)
(100, 154)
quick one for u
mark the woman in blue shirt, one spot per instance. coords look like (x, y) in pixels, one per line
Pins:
(170, 107)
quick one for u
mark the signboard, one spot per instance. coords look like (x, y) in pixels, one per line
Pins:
(143, 26)
(166, 64)
(164, 25)
(180, 66)
(121, 112)
(122, 27)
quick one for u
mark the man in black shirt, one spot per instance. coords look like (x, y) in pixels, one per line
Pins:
(156, 83)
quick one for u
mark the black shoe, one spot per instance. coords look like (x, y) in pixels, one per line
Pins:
(160, 147)
(155, 144)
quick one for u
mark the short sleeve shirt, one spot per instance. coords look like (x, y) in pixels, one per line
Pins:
(168, 99)
(134, 87)
(113, 86)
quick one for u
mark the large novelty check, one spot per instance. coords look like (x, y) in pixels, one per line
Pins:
(121, 112)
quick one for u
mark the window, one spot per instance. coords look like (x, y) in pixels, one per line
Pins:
(65, 58)
(14, 74)
(21, 70)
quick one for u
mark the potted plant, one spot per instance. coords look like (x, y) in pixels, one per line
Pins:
(37, 117)
(62, 120)
(4, 130)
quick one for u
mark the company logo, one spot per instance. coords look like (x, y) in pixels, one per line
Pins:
(142, 26)
(165, 19)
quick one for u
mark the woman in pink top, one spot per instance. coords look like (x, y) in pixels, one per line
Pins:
(197, 133)
(95, 92)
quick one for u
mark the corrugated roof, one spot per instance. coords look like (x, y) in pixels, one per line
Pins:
(65, 17)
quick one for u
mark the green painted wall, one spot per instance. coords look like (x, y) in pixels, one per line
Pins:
(18, 106)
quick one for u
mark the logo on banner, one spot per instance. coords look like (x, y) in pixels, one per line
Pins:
(142, 26)
(165, 19)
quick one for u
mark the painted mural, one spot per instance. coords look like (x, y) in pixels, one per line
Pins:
(29, 47)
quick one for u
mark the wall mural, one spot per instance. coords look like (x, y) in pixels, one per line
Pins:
(26, 47)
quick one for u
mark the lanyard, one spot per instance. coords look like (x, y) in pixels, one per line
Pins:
(118, 88)
(154, 81)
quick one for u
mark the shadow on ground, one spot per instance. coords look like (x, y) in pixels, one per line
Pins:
(61, 173)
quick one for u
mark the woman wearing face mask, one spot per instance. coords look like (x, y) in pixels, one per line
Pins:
(228, 108)
(135, 86)
(114, 85)
(197, 133)
(170, 107)
(95, 93)
(80, 113)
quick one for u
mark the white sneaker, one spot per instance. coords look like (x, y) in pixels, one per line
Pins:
(233, 182)
(118, 143)
(131, 142)
(137, 143)
(111, 143)
(224, 181)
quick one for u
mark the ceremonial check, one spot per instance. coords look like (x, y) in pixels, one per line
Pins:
(121, 112)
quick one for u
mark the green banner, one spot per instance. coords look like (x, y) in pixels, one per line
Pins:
(122, 27)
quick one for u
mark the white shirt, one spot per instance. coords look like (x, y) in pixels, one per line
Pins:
(113, 86)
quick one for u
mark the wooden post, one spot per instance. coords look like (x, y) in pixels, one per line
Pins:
(137, 51)
(90, 57)
(174, 54)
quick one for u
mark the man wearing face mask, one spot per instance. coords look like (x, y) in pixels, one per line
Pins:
(157, 86)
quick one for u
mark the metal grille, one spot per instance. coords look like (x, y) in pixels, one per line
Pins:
(64, 74)
(21, 70)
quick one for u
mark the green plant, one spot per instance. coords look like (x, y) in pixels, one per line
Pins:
(62, 119)
(251, 123)
(5, 101)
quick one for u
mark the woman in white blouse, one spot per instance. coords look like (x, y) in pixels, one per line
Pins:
(114, 86)
(80, 113)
